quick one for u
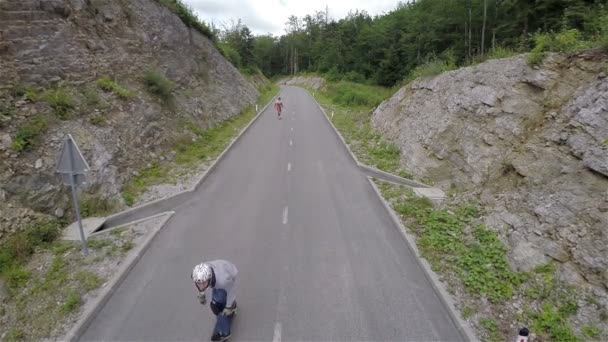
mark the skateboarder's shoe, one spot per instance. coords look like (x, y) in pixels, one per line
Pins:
(219, 338)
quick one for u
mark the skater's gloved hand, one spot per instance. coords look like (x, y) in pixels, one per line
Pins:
(202, 298)
(228, 311)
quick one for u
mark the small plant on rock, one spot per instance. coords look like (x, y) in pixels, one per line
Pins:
(110, 85)
(61, 101)
(158, 85)
(28, 134)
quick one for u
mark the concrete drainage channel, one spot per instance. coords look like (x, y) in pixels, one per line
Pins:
(155, 209)
(150, 209)
(420, 189)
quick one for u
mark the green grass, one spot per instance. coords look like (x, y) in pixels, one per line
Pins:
(16, 277)
(468, 312)
(188, 16)
(352, 104)
(567, 41)
(28, 135)
(29, 92)
(61, 101)
(592, 332)
(156, 174)
(32, 94)
(109, 85)
(127, 246)
(98, 244)
(550, 323)
(158, 85)
(98, 120)
(432, 68)
(72, 303)
(491, 327)
(453, 243)
(208, 145)
(355, 94)
(91, 97)
(88, 280)
(14, 334)
(41, 297)
(446, 240)
(18, 248)
(95, 206)
(500, 52)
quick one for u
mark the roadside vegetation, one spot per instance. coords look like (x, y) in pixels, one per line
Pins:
(202, 145)
(352, 105)
(472, 260)
(44, 280)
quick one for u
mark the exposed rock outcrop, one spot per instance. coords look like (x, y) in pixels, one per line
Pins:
(530, 143)
(69, 45)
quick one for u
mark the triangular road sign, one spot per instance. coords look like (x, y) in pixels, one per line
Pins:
(71, 162)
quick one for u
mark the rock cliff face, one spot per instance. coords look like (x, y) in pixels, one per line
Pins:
(69, 45)
(531, 144)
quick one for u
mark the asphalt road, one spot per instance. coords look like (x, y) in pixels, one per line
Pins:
(318, 256)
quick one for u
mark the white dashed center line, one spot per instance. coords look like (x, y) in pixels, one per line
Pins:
(285, 215)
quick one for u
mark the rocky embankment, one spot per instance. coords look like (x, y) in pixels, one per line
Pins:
(52, 56)
(311, 82)
(530, 144)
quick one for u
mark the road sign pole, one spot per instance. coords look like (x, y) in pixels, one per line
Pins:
(85, 250)
(75, 198)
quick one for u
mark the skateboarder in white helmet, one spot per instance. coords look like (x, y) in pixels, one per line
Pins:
(220, 275)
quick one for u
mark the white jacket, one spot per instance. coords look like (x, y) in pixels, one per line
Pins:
(225, 278)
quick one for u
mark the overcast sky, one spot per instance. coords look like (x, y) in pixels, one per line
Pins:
(269, 16)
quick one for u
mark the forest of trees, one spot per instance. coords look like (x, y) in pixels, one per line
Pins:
(386, 49)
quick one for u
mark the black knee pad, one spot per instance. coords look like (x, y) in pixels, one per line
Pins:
(216, 307)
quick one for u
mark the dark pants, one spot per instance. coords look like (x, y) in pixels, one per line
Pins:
(218, 300)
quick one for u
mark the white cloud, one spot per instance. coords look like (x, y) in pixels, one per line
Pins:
(269, 16)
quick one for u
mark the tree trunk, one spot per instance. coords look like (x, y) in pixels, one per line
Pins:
(483, 29)
(496, 4)
(470, 33)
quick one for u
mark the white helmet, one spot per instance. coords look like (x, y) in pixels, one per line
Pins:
(201, 273)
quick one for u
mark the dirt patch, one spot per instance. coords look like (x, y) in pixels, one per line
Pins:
(60, 281)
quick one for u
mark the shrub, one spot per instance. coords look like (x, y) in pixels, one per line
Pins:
(91, 97)
(72, 303)
(61, 102)
(333, 75)
(16, 277)
(231, 54)
(500, 52)
(32, 95)
(109, 85)
(27, 135)
(158, 85)
(433, 67)
(94, 206)
(552, 324)
(18, 247)
(566, 41)
(355, 94)
(353, 76)
(569, 41)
